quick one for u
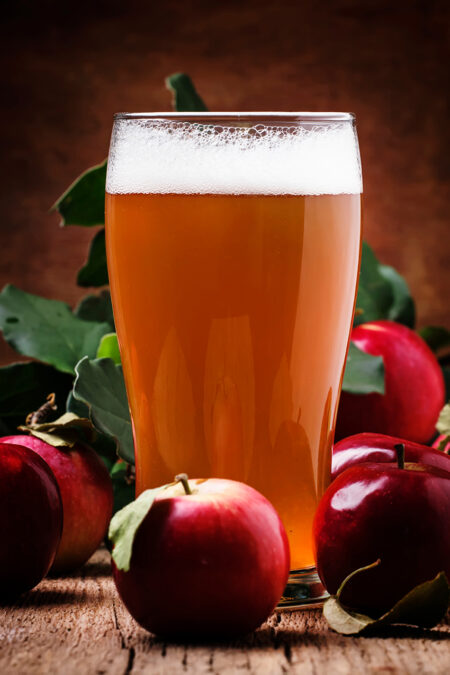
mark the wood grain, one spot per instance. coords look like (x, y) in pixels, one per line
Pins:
(78, 625)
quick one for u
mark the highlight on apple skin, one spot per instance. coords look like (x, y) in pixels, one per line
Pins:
(371, 447)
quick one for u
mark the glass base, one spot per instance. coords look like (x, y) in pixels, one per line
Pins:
(304, 590)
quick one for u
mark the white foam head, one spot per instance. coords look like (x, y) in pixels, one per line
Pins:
(180, 157)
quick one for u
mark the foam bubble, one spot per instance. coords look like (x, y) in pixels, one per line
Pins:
(155, 156)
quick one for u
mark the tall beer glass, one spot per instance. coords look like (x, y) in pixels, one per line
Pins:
(233, 245)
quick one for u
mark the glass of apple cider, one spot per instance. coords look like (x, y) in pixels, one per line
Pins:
(233, 245)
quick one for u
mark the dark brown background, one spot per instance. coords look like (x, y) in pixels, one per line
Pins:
(67, 67)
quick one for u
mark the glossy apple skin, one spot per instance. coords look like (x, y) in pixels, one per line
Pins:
(414, 386)
(371, 447)
(87, 497)
(209, 565)
(400, 516)
(31, 520)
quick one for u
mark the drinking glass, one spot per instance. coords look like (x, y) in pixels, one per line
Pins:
(233, 245)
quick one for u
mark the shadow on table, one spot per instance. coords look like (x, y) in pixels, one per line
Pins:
(410, 632)
(45, 598)
(94, 570)
(271, 637)
(91, 570)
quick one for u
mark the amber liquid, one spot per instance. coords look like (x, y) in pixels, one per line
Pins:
(233, 316)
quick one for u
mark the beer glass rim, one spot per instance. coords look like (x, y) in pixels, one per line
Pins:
(261, 117)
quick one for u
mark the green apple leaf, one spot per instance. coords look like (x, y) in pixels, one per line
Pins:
(186, 98)
(364, 373)
(96, 308)
(104, 446)
(95, 272)
(83, 203)
(436, 337)
(125, 524)
(382, 293)
(374, 293)
(75, 406)
(47, 330)
(424, 606)
(402, 308)
(100, 385)
(23, 387)
(109, 348)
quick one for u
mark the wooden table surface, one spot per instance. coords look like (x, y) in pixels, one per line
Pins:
(78, 626)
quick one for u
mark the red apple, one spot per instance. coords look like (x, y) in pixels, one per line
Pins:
(381, 448)
(87, 498)
(31, 520)
(414, 386)
(213, 563)
(380, 511)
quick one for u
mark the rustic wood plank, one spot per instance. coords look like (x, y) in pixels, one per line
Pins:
(78, 625)
(63, 625)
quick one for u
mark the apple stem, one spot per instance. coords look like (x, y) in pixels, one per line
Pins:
(400, 450)
(43, 413)
(184, 480)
